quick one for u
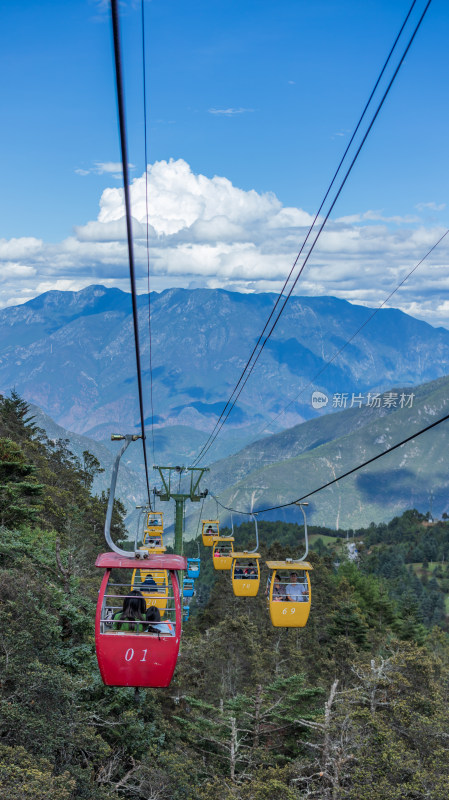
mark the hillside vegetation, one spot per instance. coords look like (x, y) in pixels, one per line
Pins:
(353, 706)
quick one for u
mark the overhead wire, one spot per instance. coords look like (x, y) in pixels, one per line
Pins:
(220, 426)
(147, 221)
(247, 370)
(340, 477)
(351, 338)
(124, 154)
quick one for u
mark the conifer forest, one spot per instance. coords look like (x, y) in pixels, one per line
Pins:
(353, 706)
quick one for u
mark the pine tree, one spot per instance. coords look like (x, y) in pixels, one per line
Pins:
(19, 491)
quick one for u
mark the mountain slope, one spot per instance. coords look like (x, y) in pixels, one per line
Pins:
(72, 353)
(290, 464)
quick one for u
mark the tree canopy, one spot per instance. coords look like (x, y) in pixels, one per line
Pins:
(352, 707)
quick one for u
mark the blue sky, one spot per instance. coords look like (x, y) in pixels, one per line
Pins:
(263, 95)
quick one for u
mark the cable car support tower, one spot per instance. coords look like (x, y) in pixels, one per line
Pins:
(167, 493)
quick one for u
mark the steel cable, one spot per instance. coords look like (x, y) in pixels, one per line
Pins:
(231, 402)
(147, 222)
(124, 154)
(340, 477)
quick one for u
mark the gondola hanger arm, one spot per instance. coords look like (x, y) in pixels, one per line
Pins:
(127, 439)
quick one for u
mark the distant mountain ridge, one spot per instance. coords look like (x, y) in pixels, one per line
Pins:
(278, 468)
(286, 466)
(72, 354)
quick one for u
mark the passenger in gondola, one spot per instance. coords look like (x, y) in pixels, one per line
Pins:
(251, 571)
(154, 541)
(278, 590)
(210, 531)
(295, 592)
(149, 584)
(132, 617)
(153, 615)
(238, 573)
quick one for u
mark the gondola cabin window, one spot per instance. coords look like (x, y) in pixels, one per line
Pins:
(120, 614)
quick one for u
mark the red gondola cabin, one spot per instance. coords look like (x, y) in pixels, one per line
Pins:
(135, 656)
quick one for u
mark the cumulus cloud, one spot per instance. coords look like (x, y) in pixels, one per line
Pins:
(25, 247)
(207, 232)
(16, 271)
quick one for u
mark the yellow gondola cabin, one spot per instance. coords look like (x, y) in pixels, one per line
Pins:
(289, 593)
(153, 533)
(211, 531)
(245, 574)
(223, 552)
(154, 586)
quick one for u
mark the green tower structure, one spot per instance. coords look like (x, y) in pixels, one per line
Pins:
(168, 493)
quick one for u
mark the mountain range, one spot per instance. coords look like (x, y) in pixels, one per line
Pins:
(72, 355)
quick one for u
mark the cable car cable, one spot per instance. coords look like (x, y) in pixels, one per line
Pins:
(213, 437)
(308, 233)
(124, 153)
(351, 338)
(340, 477)
(231, 403)
(147, 221)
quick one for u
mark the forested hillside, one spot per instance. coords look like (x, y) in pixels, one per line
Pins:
(353, 706)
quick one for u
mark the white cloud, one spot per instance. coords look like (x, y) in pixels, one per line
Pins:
(230, 112)
(206, 231)
(24, 247)
(102, 168)
(377, 216)
(16, 271)
(431, 206)
(113, 168)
